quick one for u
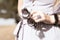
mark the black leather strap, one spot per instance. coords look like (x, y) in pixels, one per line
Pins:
(56, 19)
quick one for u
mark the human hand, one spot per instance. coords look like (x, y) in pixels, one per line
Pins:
(38, 16)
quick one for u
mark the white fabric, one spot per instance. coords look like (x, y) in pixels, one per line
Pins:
(29, 33)
(39, 5)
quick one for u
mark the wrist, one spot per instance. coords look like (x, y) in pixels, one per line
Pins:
(52, 19)
(49, 19)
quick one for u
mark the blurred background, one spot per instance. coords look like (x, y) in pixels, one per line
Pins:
(8, 18)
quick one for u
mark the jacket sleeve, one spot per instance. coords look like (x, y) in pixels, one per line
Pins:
(57, 7)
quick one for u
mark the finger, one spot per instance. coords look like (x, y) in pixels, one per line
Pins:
(39, 20)
(33, 13)
(37, 17)
(33, 16)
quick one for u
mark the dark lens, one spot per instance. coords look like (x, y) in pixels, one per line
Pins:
(25, 13)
